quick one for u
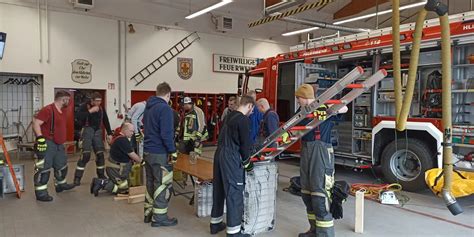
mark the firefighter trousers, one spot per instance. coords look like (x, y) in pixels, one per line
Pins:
(159, 178)
(317, 180)
(54, 157)
(91, 140)
(228, 186)
(118, 176)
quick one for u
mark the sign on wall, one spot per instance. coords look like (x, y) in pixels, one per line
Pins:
(185, 68)
(81, 71)
(232, 64)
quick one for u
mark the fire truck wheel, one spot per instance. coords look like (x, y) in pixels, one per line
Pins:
(406, 162)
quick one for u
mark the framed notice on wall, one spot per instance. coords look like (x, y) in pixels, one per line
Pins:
(232, 64)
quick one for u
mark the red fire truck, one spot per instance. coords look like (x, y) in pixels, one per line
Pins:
(365, 136)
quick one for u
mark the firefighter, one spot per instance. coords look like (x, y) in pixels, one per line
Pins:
(270, 121)
(49, 126)
(176, 124)
(316, 168)
(255, 119)
(92, 116)
(232, 105)
(194, 128)
(135, 114)
(120, 163)
(231, 160)
(159, 147)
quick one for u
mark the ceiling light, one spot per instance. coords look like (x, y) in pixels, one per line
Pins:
(300, 31)
(208, 9)
(379, 13)
(357, 18)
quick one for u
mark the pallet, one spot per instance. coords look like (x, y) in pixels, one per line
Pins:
(135, 195)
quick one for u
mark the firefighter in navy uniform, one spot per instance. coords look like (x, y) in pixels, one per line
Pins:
(92, 116)
(159, 155)
(194, 128)
(231, 160)
(316, 168)
(120, 163)
(49, 126)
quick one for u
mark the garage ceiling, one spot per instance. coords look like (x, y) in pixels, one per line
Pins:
(171, 13)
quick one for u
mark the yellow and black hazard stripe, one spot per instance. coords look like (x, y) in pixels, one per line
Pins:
(290, 12)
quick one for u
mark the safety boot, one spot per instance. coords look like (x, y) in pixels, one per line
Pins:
(168, 222)
(97, 185)
(64, 187)
(147, 219)
(216, 228)
(311, 232)
(44, 198)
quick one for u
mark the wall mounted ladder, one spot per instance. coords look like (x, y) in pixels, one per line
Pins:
(266, 153)
(158, 63)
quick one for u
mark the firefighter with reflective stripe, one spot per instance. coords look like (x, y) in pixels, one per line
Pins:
(120, 163)
(159, 155)
(316, 168)
(194, 128)
(92, 116)
(231, 160)
(49, 126)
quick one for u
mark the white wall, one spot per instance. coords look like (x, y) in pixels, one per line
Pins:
(96, 39)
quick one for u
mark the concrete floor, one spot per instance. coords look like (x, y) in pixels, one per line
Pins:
(78, 213)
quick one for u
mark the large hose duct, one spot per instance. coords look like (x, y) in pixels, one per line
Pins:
(410, 88)
(397, 76)
(322, 25)
(442, 11)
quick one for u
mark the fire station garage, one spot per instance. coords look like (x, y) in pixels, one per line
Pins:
(308, 118)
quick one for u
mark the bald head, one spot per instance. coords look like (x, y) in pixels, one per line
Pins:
(127, 129)
(263, 105)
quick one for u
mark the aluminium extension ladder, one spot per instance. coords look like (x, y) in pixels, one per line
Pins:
(164, 58)
(266, 153)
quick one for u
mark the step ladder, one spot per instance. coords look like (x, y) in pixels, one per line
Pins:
(164, 58)
(10, 166)
(266, 153)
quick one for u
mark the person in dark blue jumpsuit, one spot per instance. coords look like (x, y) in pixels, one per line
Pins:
(255, 119)
(231, 160)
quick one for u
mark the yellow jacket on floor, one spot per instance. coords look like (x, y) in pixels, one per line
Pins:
(463, 182)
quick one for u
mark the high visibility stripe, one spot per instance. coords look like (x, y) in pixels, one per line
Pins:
(123, 184)
(160, 211)
(42, 187)
(101, 167)
(233, 230)
(158, 191)
(115, 189)
(99, 152)
(217, 220)
(305, 191)
(148, 198)
(324, 224)
(148, 205)
(61, 181)
(40, 162)
(318, 194)
(79, 168)
(167, 179)
(311, 217)
(86, 152)
(148, 211)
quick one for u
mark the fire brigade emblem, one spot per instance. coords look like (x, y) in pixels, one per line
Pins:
(185, 68)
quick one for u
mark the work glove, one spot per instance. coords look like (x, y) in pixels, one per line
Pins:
(197, 143)
(198, 151)
(138, 137)
(248, 166)
(174, 157)
(41, 145)
(340, 192)
(320, 113)
(286, 138)
(142, 163)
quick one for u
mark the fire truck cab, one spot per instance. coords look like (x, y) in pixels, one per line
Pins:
(365, 137)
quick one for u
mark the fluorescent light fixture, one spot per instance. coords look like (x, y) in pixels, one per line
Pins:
(357, 18)
(300, 31)
(379, 13)
(208, 9)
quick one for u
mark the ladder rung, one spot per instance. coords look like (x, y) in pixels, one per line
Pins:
(291, 139)
(300, 128)
(334, 102)
(355, 86)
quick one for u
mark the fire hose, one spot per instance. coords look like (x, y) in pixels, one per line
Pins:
(403, 107)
